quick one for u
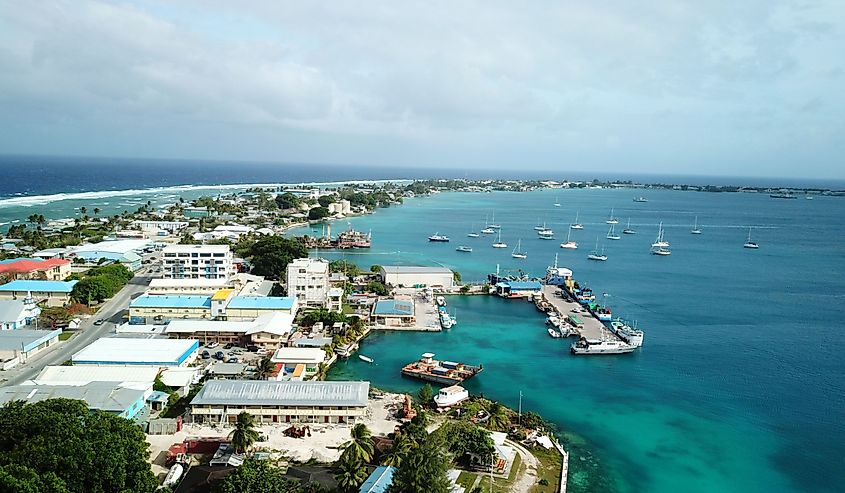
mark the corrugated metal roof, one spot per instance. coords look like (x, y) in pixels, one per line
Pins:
(152, 352)
(261, 302)
(273, 393)
(415, 269)
(379, 480)
(77, 375)
(25, 340)
(39, 286)
(11, 310)
(105, 396)
(394, 307)
(166, 301)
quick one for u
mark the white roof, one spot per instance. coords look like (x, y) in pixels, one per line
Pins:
(81, 375)
(299, 355)
(276, 323)
(178, 377)
(234, 228)
(116, 246)
(130, 351)
(415, 269)
(181, 283)
(196, 248)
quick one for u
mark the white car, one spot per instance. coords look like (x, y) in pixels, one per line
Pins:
(212, 345)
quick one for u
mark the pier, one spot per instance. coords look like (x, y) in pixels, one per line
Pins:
(592, 328)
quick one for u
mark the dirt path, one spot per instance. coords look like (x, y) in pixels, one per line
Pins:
(528, 478)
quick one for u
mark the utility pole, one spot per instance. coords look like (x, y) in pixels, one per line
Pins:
(520, 409)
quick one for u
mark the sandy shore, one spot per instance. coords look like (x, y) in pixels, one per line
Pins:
(322, 445)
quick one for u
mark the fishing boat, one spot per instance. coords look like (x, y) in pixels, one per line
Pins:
(640, 199)
(464, 248)
(605, 345)
(612, 220)
(611, 234)
(365, 358)
(660, 242)
(628, 230)
(595, 255)
(628, 334)
(749, 243)
(451, 396)
(555, 334)
(695, 229)
(517, 252)
(546, 234)
(576, 224)
(442, 372)
(446, 320)
(569, 245)
(437, 237)
(499, 243)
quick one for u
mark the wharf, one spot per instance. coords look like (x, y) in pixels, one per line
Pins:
(592, 328)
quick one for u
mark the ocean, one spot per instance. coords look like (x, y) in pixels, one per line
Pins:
(739, 386)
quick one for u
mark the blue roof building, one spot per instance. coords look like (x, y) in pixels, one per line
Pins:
(159, 301)
(379, 480)
(36, 286)
(283, 303)
(394, 307)
(509, 289)
(131, 260)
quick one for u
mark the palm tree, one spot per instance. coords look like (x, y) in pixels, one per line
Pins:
(244, 434)
(329, 351)
(322, 368)
(401, 446)
(351, 473)
(83, 210)
(499, 418)
(96, 210)
(265, 368)
(360, 446)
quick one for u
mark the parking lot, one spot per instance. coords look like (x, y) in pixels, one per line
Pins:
(231, 353)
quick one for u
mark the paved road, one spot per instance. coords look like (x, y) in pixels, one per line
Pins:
(111, 311)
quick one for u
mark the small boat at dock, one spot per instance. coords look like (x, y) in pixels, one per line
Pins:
(605, 345)
(442, 372)
(451, 396)
(365, 358)
(555, 334)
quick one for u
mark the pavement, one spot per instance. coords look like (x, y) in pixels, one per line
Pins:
(111, 311)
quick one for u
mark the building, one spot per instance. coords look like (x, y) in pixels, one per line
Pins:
(81, 375)
(16, 314)
(51, 293)
(267, 330)
(298, 363)
(16, 346)
(137, 246)
(308, 281)
(197, 262)
(164, 308)
(159, 228)
(397, 312)
(53, 269)
(189, 286)
(335, 300)
(379, 481)
(114, 351)
(518, 289)
(124, 401)
(406, 276)
(130, 260)
(220, 401)
(250, 307)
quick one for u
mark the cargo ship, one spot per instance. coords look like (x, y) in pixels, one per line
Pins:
(353, 239)
(442, 372)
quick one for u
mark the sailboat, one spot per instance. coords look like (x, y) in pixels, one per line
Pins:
(695, 229)
(570, 245)
(611, 234)
(499, 243)
(660, 242)
(749, 243)
(472, 233)
(493, 224)
(628, 230)
(595, 255)
(487, 229)
(557, 202)
(517, 252)
(612, 219)
(576, 224)
(540, 227)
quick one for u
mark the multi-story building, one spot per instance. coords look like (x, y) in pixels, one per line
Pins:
(197, 262)
(308, 281)
(54, 269)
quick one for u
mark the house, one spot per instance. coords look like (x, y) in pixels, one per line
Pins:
(400, 275)
(16, 346)
(16, 314)
(298, 363)
(52, 269)
(396, 312)
(51, 293)
(220, 401)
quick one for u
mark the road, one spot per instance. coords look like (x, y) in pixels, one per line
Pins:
(111, 311)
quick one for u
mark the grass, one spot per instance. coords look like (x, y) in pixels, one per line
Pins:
(466, 480)
(65, 336)
(550, 464)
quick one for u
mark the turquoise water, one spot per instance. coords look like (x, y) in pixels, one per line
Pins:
(739, 386)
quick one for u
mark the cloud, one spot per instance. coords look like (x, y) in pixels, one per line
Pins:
(657, 86)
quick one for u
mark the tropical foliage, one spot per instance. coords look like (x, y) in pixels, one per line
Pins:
(244, 434)
(270, 255)
(256, 476)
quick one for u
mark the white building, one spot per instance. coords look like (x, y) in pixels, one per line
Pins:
(155, 228)
(400, 275)
(120, 351)
(308, 281)
(197, 262)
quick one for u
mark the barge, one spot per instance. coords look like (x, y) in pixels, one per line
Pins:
(441, 372)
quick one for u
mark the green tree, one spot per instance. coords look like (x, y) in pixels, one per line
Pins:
(257, 476)
(318, 213)
(360, 446)
(464, 437)
(402, 445)
(271, 255)
(287, 200)
(244, 434)
(22, 479)
(375, 268)
(97, 288)
(499, 417)
(325, 200)
(70, 446)
(456, 276)
(351, 473)
(423, 470)
(265, 368)
(377, 287)
(425, 394)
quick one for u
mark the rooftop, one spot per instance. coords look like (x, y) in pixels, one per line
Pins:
(80, 375)
(204, 248)
(299, 355)
(222, 294)
(288, 393)
(105, 396)
(29, 265)
(379, 480)
(25, 340)
(394, 307)
(39, 286)
(415, 269)
(129, 351)
(116, 246)
(272, 323)
(179, 283)
(166, 301)
(262, 302)
(11, 310)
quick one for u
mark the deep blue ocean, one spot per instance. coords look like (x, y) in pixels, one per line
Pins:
(740, 385)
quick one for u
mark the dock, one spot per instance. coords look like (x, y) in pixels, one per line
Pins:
(591, 329)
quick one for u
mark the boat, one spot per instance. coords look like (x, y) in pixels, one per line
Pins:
(595, 255)
(695, 229)
(576, 224)
(586, 346)
(626, 333)
(557, 202)
(782, 195)
(808, 197)
(661, 251)
(640, 199)
(499, 243)
(569, 245)
(749, 243)
(450, 396)
(487, 229)
(612, 219)
(660, 242)
(555, 334)
(611, 234)
(493, 225)
(464, 248)
(440, 300)
(353, 239)
(443, 372)
(540, 227)
(546, 234)
(446, 320)
(628, 230)
(437, 237)
(472, 233)
(517, 252)
(365, 358)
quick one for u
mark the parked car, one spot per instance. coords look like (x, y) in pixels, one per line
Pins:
(252, 349)
(232, 359)
(99, 321)
(219, 355)
(262, 352)
(229, 346)
(212, 345)
(205, 355)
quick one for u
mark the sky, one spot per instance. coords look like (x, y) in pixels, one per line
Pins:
(751, 88)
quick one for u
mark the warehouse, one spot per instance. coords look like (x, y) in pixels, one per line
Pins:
(124, 401)
(162, 309)
(16, 346)
(408, 276)
(281, 402)
(51, 293)
(397, 312)
(143, 376)
(113, 351)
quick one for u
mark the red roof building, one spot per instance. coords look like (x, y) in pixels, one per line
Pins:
(54, 269)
